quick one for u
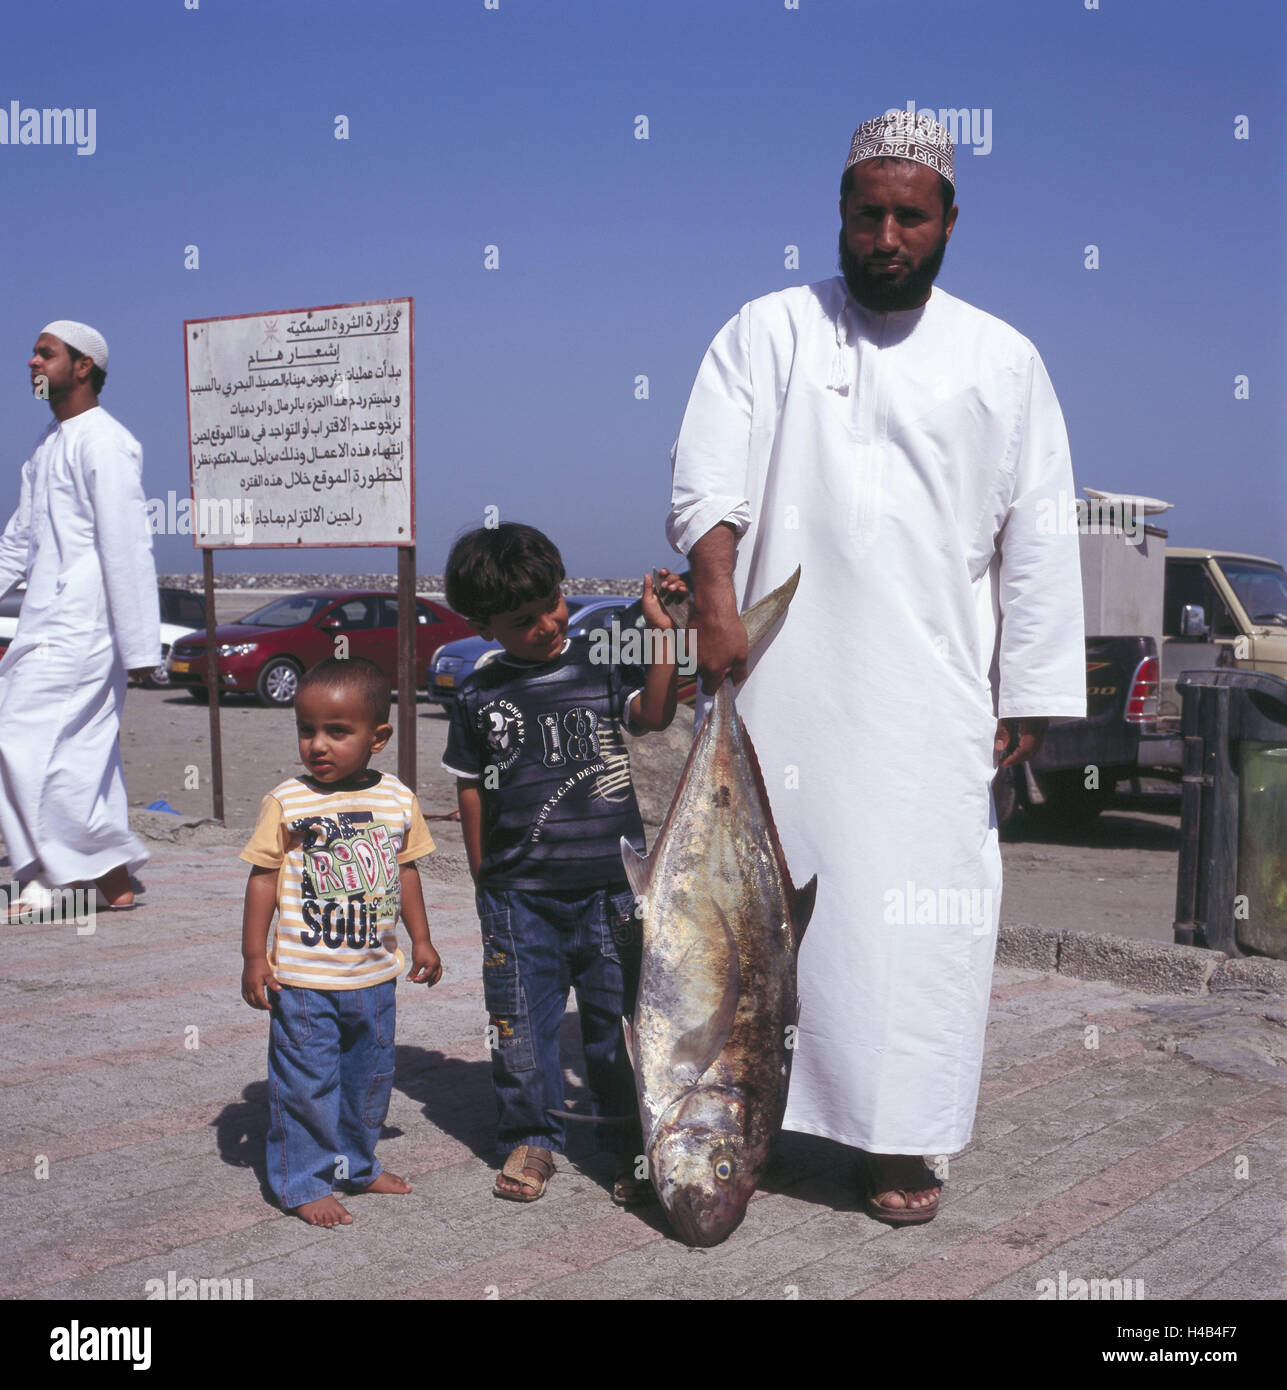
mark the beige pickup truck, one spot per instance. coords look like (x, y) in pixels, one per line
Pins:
(1152, 611)
(1219, 609)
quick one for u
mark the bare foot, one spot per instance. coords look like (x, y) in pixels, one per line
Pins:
(908, 1172)
(388, 1182)
(325, 1211)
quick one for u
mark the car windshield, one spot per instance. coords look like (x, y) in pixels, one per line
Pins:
(1261, 589)
(576, 602)
(184, 609)
(286, 612)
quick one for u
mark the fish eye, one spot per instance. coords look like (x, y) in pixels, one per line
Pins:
(723, 1170)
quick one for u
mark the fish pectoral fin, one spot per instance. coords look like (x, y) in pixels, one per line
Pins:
(802, 908)
(686, 1073)
(761, 616)
(638, 869)
(694, 1055)
(697, 1049)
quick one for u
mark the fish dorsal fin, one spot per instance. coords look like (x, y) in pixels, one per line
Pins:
(697, 1049)
(680, 609)
(761, 616)
(802, 908)
(638, 869)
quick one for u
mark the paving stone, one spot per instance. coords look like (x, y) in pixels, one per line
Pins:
(156, 1150)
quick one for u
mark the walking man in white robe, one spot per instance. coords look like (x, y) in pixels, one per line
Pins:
(908, 452)
(81, 539)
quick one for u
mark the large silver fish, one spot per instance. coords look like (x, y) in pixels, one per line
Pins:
(713, 1029)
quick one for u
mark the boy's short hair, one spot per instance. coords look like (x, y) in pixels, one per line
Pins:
(499, 568)
(355, 673)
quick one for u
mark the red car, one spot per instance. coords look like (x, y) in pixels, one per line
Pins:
(268, 650)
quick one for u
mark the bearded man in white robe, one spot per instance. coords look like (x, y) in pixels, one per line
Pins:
(91, 613)
(907, 451)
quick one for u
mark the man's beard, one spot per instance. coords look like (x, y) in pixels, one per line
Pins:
(880, 293)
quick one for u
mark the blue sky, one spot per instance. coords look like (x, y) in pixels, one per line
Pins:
(621, 257)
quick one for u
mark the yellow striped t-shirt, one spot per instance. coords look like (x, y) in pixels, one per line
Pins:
(338, 893)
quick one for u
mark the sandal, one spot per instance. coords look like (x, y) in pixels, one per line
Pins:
(628, 1190)
(526, 1156)
(906, 1215)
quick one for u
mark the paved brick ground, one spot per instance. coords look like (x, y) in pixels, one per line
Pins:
(1103, 1149)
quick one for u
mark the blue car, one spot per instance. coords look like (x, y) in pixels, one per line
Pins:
(586, 612)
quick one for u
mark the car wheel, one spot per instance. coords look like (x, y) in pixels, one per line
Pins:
(199, 693)
(159, 679)
(278, 682)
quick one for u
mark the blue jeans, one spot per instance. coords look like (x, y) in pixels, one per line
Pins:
(535, 947)
(330, 1075)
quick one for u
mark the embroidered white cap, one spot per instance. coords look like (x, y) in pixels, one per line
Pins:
(82, 337)
(905, 135)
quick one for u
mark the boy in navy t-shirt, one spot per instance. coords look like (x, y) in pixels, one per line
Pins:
(543, 782)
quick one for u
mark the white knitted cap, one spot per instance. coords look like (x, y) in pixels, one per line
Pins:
(82, 337)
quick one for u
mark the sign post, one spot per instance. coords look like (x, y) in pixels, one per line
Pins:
(301, 435)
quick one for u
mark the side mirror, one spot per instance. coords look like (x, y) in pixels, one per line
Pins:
(331, 624)
(1193, 621)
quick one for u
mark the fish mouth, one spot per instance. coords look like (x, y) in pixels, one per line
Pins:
(704, 1217)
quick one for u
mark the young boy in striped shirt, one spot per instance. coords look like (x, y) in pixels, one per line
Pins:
(334, 855)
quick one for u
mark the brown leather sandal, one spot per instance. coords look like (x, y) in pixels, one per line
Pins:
(906, 1215)
(526, 1156)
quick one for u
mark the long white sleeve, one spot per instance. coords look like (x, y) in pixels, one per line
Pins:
(16, 538)
(709, 459)
(113, 479)
(1042, 653)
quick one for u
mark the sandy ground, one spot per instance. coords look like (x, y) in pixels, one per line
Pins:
(1118, 875)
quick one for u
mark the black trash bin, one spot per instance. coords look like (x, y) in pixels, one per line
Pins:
(1231, 890)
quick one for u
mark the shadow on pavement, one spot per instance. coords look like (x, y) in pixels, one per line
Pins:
(241, 1131)
(1115, 829)
(455, 1095)
(813, 1170)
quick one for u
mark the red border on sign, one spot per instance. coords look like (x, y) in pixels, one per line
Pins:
(409, 301)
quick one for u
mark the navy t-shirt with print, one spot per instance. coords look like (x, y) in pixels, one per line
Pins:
(547, 738)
